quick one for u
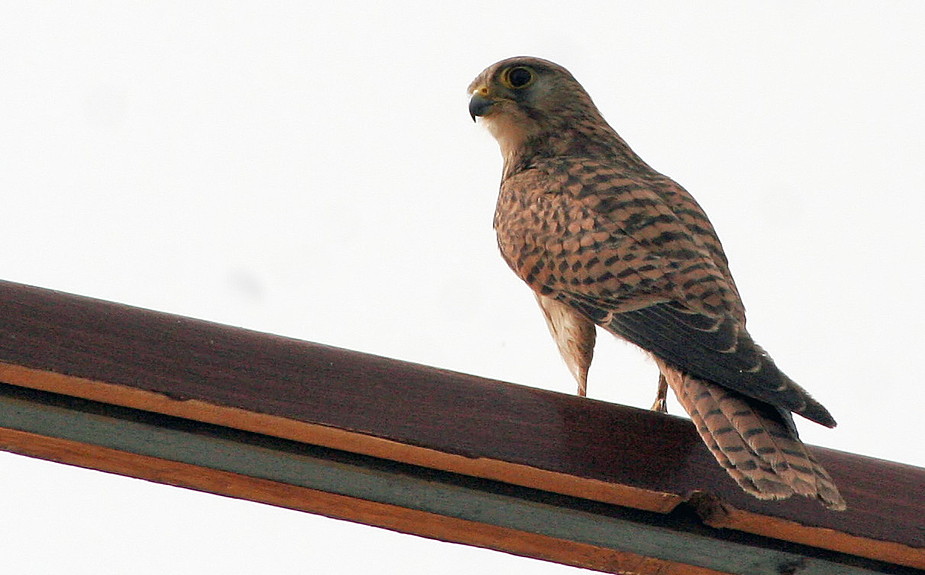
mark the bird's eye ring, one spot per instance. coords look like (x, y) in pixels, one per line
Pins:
(519, 77)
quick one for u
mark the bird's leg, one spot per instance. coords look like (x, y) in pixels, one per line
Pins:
(582, 378)
(661, 396)
(574, 335)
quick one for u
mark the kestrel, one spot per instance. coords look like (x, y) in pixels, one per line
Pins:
(605, 240)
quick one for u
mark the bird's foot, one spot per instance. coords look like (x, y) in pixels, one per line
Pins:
(661, 396)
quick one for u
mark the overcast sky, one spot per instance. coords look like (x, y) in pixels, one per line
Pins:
(313, 172)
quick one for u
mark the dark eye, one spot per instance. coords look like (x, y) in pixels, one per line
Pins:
(519, 77)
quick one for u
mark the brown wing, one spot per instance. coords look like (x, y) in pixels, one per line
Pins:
(612, 247)
(683, 205)
(716, 349)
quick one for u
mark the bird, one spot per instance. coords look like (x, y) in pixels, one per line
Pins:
(604, 240)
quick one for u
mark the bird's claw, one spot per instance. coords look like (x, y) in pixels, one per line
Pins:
(661, 396)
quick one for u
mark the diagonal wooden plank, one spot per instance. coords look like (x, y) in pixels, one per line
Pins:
(431, 418)
(619, 534)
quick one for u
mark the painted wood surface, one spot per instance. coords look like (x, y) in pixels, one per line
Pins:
(435, 419)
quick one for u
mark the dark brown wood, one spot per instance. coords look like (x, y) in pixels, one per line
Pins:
(423, 415)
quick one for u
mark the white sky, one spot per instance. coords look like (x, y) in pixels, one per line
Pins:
(313, 172)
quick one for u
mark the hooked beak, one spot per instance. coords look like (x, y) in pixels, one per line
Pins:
(479, 105)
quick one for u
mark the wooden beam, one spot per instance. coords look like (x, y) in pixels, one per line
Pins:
(418, 449)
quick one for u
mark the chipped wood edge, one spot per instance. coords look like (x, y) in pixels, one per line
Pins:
(722, 515)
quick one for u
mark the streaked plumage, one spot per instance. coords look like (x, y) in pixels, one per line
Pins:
(603, 239)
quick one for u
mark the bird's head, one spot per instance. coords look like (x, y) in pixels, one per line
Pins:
(529, 102)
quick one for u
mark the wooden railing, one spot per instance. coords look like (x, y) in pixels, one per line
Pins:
(418, 449)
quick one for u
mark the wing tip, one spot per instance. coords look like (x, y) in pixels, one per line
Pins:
(815, 411)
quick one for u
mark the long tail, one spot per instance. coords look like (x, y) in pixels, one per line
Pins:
(752, 442)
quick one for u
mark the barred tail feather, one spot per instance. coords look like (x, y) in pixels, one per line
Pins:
(752, 442)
